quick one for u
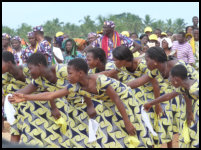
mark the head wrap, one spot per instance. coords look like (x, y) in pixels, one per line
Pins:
(168, 40)
(91, 34)
(5, 35)
(38, 28)
(30, 34)
(153, 37)
(59, 34)
(125, 33)
(16, 38)
(147, 29)
(110, 24)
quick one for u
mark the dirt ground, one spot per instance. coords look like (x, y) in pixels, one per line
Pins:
(6, 135)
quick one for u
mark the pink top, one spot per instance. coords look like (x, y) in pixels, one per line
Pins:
(184, 52)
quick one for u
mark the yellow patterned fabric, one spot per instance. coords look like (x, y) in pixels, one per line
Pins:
(145, 94)
(177, 104)
(113, 132)
(41, 128)
(11, 85)
(193, 130)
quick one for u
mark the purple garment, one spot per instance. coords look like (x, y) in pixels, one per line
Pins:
(45, 48)
(26, 53)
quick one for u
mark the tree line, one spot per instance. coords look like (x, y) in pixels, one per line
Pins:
(124, 22)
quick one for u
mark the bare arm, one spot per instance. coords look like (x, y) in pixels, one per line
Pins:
(115, 98)
(136, 48)
(139, 81)
(30, 88)
(110, 73)
(90, 107)
(45, 96)
(189, 111)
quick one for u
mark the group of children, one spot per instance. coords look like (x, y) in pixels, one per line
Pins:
(54, 103)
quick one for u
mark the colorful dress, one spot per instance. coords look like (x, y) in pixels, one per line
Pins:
(11, 85)
(177, 104)
(113, 133)
(145, 94)
(40, 128)
(193, 95)
(67, 58)
(26, 53)
(45, 48)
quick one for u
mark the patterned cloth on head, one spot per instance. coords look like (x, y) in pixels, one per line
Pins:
(30, 34)
(110, 24)
(16, 38)
(38, 28)
(91, 34)
(5, 35)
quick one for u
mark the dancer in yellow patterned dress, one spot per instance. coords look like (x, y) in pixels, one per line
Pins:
(136, 67)
(14, 78)
(160, 65)
(41, 128)
(117, 119)
(189, 88)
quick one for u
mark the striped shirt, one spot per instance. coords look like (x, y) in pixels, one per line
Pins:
(184, 52)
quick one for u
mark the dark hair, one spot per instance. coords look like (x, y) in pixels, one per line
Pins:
(189, 27)
(143, 35)
(122, 53)
(194, 17)
(179, 71)
(157, 53)
(134, 33)
(182, 33)
(8, 56)
(49, 39)
(98, 53)
(79, 64)
(36, 59)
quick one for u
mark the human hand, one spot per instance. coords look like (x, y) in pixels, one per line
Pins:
(190, 118)
(147, 106)
(17, 98)
(130, 128)
(91, 111)
(159, 110)
(55, 113)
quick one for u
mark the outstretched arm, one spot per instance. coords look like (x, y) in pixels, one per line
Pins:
(139, 81)
(90, 107)
(115, 98)
(160, 99)
(46, 96)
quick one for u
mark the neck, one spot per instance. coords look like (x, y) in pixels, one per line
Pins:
(84, 81)
(46, 73)
(40, 39)
(33, 45)
(101, 67)
(14, 70)
(187, 84)
(18, 49)
(111, 35)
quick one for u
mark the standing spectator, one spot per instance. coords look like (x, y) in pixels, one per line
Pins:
(166, 44)
(17, 49)
(195, 21)
(158, 33)
(6, 42)
(153, 41)
(163, 35)
(169, 34)
(134, 36)
(194, 42)
(44, 46)
(112, 39)
(189, 32)
(183, 49)
(91, 37)
(144, 39)
(148, 31)
(32, 48)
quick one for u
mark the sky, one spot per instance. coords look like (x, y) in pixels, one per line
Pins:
(37, 13)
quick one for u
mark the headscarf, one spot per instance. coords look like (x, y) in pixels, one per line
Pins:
(91, 34)
(110, 24)
(125, 33)
(38, 28)
(168, 40)
(30, 34)
(74, 47)
(5, 35)
(16, 38)
(80, 42)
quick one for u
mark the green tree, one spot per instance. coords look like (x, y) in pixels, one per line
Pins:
(8, 30)
(23, 30)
